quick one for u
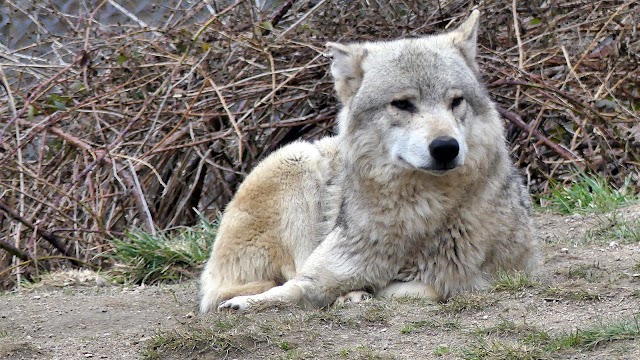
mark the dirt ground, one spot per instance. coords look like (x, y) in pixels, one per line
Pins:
(590, 280)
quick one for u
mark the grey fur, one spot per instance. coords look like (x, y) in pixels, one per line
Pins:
(377, 210)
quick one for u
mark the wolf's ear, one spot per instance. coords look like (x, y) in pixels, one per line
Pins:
(465, 38)
(346, 68)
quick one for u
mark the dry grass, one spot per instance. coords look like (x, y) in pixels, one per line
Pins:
(135, 127)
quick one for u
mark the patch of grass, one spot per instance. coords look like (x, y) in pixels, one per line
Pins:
(636, 267)
(614, 228)
(588, 193)
(513, 281)
(375, 312)
(526, 332)
(414, 300)
(440, 324)
(143, 258)
(500, 350)
(19, 350)
(597, 335)
(467, 302)
(4, 334)
(537, 344)
(200, 342)
(331, 317)
(362, 352)
(442, 350)
(223, 324)
(589, 272)
(573, 295)
(67, 278)
(636, 293)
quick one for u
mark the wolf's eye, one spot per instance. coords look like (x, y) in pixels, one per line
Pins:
(456, 102)
(404, 105)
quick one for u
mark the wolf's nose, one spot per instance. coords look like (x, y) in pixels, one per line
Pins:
(444, 149)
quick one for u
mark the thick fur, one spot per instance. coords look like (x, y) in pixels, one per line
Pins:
(375, 208)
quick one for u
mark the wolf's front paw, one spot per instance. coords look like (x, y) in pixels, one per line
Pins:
(354, 297)
(238, 303)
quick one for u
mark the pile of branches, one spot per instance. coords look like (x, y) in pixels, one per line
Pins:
(151, 127)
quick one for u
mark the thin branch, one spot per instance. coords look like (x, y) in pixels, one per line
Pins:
(49, 237)
(517, 120)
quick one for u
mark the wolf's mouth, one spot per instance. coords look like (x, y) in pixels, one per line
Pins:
(437, 172)
(438, 169)
(444, 166)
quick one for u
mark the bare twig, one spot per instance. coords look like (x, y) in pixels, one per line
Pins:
(50, 238)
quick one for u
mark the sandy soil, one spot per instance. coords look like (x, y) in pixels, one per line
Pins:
(590, 279)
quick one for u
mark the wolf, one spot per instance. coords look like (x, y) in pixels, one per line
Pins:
(414, 196)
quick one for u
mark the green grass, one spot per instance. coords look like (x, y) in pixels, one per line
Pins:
(588, 193)
(200, 342)
(286, 346)
(440, 324)
(375, 313)
(573, 295)
(442, 350)
(527, 342)
(362, 352)
(500, 350)
(597, 335)
(614, 228)
(589, 272)
(513, 281)
(143, 258)
(526, 332)
(330, 317)
(467, 302)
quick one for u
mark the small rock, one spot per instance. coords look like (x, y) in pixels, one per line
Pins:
(485, 317)
(189, 315)
(100, 281)
(613, 244)
(564, 250)
(88, 355)
(36, 297)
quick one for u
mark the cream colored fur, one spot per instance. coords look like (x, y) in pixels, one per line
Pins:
(376, 208)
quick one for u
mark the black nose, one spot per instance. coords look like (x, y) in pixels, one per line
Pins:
(444, 149)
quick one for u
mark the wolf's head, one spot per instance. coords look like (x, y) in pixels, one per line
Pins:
(416, 103)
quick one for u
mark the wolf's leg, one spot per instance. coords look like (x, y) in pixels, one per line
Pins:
(289, 292)
(251, 288)
(416, 289)
(331, 270)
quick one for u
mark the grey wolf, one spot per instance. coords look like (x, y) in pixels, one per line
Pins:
(415, 196)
